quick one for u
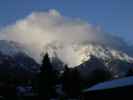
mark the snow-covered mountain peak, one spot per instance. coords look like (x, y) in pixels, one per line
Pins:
(76, 54)
(72, 54)
(15, 55)
(10, 48)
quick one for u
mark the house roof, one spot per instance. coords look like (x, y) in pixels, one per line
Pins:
(128, 81)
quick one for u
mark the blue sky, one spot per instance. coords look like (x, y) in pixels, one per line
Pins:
(114, 16)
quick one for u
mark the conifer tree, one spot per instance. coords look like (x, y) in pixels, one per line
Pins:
(71, 82)
(46, 79)
(130, 72)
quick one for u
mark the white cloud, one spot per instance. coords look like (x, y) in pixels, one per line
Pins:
(40, 28)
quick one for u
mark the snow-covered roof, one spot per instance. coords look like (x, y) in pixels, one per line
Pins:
(128, 81)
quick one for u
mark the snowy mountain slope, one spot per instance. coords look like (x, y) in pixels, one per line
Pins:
(13, 54)
(82, 52)
(9, 47)
(74, 55)
(80, 55)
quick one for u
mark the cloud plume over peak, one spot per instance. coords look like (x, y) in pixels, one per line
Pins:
(41, 28)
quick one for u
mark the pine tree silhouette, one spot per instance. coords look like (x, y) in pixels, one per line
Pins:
(46, 79)
(130, 72)
(71, 82)
(100, 75)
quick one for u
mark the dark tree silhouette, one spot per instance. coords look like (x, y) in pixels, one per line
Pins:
(46, 80)
(130, 72)
(100, 75)
(71, 82)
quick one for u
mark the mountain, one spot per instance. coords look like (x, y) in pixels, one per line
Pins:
(15, 63)
(10, 48)
(88, 57)
(82, 52)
